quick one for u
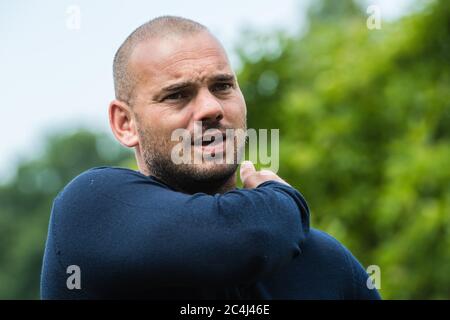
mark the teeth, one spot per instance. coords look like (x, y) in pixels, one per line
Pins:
(208, 140)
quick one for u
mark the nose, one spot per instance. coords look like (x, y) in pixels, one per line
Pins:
(207, 108)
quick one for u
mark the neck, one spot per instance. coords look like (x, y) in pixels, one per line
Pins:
(215, 187)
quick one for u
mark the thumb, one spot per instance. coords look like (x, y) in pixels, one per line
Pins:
(247, 169)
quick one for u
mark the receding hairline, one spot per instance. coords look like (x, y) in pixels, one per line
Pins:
(157, 28)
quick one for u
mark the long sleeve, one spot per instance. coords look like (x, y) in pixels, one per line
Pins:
(326, 269)
(125, 229)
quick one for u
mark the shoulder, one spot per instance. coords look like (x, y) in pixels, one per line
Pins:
(324, 270)
(327, 244)
(103, 176)
(334, 259)
(111, 182)
(327, 253)
(106, 193)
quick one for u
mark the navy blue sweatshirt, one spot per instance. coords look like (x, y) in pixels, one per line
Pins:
(132, 236)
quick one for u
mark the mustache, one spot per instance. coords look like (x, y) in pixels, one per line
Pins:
(207, 126)
(217, 127)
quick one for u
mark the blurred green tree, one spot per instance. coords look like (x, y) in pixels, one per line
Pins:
(26, 203)
(364, 129)
(364, 119)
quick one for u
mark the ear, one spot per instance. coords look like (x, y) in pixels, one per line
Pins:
(122, 123)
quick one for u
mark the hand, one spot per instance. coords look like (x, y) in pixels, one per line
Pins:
(252, 178)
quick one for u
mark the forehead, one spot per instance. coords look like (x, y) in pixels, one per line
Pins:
(189, 58)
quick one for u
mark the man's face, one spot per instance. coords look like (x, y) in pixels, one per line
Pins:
(182, 81)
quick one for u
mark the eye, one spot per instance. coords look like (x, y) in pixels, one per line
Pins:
(176, 96)
(222, 87)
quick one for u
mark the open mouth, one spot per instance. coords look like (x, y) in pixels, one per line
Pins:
(209, 140)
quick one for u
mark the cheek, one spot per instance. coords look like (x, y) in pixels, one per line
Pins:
(236, 109)
(163, 121)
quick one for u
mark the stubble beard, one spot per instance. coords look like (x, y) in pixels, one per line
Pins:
(190, 178)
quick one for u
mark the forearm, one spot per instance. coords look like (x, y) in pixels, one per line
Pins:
(170, 238)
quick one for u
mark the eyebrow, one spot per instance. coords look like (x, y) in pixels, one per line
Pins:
(223, 77)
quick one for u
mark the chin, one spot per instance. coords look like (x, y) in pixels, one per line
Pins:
(214, 171)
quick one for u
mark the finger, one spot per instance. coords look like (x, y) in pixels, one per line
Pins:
(247, 169)
(270, 175)
(266, 172)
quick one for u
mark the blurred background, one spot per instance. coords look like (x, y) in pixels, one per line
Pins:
(363, 113)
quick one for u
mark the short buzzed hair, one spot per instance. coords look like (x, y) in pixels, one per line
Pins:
(160, 27)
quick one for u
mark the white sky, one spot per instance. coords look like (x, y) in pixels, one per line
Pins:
(52, 77)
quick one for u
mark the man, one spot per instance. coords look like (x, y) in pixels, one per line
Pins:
(183, 230)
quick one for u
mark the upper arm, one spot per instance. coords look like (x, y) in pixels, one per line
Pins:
(359, 289)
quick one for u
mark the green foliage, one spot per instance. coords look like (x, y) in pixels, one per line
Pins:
(26, 203)
(364, 126)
